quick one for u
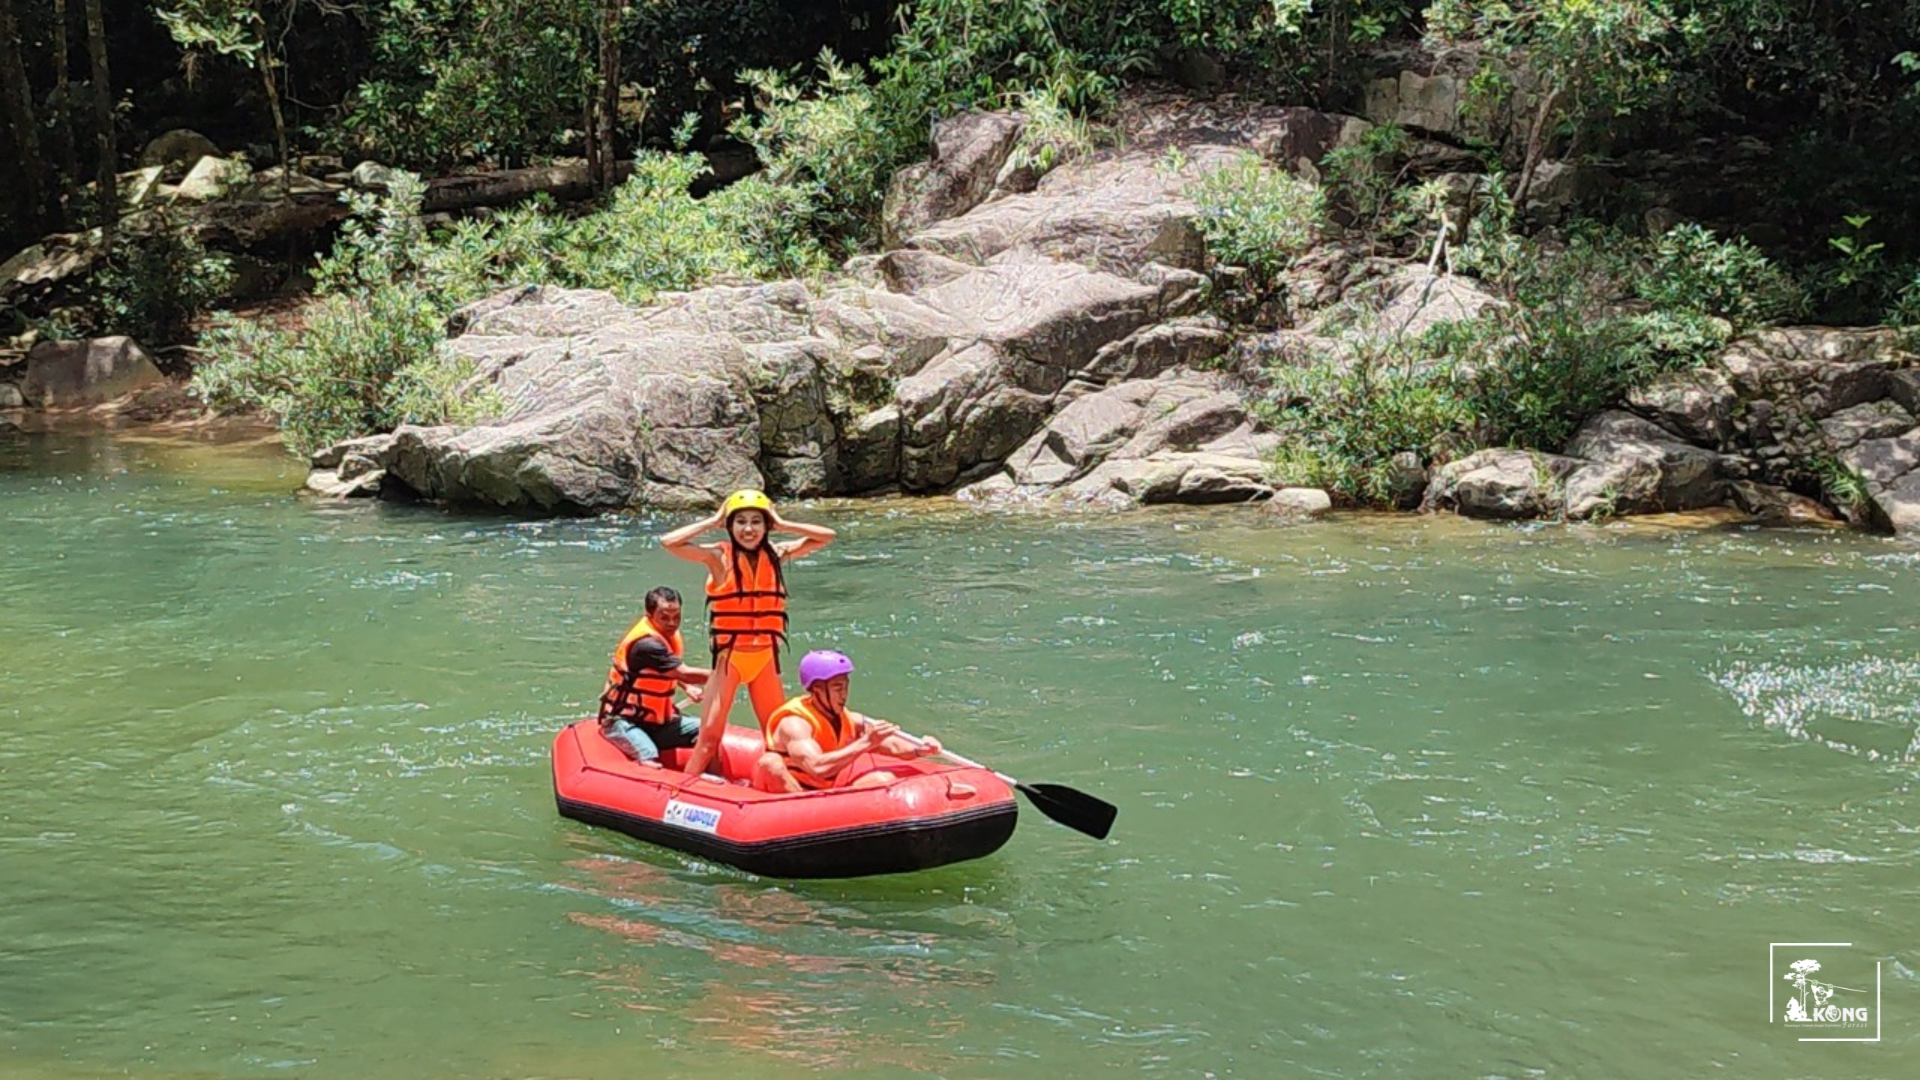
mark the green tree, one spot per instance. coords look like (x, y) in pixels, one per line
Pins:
(18, 97)
(238, 29)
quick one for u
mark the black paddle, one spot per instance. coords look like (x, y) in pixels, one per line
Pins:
(1069, 806)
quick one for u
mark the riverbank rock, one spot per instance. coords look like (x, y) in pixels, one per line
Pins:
(919, 370)
(1634, 466)
(1502, 484)
(178, 148)
(78, 374)
(969, 150)
(1293, 505)
(1136, 439)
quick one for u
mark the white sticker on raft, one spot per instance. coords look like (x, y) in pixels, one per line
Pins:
(704, 818)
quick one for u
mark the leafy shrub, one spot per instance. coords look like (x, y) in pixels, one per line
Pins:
(836, 145)
(1563, 346)
(768, 222)
(1694, 271)
(364, 361)
(156, 280)
(1362, 176)
(1053, 133)
(1344, 418)
(368, 356)
(1257, 218)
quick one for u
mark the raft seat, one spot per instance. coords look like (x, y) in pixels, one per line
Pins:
(734, 762)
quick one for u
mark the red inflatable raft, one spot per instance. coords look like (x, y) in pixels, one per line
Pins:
(934, 814)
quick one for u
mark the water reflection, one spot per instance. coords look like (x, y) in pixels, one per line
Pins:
(778, 974)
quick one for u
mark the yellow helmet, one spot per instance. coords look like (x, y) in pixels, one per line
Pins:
(744, 499)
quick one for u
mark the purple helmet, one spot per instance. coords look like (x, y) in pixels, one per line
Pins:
(823, 664)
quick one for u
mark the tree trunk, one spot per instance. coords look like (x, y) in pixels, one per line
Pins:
(279, 126)
(62, 111)
(606, 108)
(19, 106)
(108, 184)
(1536, 148)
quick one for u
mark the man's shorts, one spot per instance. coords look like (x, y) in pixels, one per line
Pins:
(643, 741)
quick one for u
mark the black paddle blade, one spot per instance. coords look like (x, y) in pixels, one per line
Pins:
(1073, 808)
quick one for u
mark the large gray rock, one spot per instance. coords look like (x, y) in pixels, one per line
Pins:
(11, 397)
(1633, 466)
(1033, 325)
(1183, 342)
(1297, 504)
(1192, 477)
(1431, 103)
(1820, 370)
(181, 147)
(968, 152)
(1116, 217)
(1695, 405)
(75, 374)
(1415, 300)
(1121, 210)
(1868, 420)
(1777, 505)
(210, 178)
(1183, 411)
(1502, 484)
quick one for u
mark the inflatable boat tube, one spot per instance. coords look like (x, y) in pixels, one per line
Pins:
(934, 814)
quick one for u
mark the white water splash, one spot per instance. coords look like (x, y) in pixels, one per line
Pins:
(1799, 699)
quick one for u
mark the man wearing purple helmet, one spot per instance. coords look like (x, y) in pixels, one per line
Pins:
(814, 740)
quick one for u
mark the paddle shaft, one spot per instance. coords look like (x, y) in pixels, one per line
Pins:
(1075, 809)
(958, 760)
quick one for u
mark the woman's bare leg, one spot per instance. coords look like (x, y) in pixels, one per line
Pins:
(715, 703)
(767, 693)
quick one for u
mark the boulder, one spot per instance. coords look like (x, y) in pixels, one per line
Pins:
(181, 147)
(1819, 369)
(1133, 420)
(1192, 477)
(1502, 484)
(968, 153)
(1434, 104)
(1414, 300)
(11, 397)
(1123, 219)
(1868, 420)
(134, 187)
(329, 484)
(1777, 505)
(1633, 466)
(1696, 405)
(1189, 342)
(1297, 504)
(1033, 324)
(210, 178)
(73, 374)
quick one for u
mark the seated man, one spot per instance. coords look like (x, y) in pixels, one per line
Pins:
(814, 740)
(637, 710)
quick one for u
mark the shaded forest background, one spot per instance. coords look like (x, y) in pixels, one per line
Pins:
(1827, 89)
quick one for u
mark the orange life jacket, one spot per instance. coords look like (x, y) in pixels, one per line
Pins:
(646, 694)
(749, 609)
(829, 735)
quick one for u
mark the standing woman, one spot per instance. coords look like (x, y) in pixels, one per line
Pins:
(746, 606)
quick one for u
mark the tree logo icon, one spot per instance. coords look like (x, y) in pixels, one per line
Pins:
(1826, 1010)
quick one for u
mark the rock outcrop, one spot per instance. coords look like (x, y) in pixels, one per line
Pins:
(77, 374)
(998, 313)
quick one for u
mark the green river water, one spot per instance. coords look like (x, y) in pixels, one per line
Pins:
(1399, 797)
